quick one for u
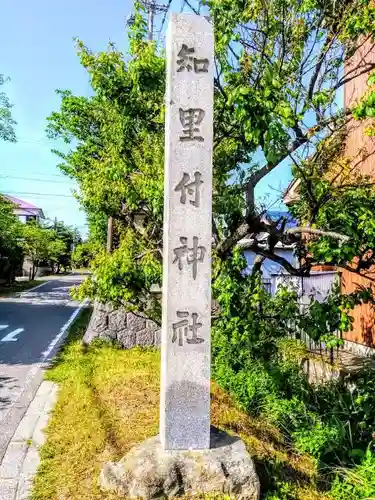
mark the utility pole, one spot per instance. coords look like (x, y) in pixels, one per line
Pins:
(152, 8)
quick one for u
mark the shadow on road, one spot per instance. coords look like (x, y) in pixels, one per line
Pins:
(54, 292)
(6, 384)
(40, 315)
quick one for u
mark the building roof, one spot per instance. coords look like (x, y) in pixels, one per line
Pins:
(292, 192)
(277, 214)
(24, 205)
(20, 203)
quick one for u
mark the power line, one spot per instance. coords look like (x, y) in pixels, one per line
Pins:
(164, 18)
(186, 2)
(32, 179)
(17, 193)
(152, 8)
(32, 172)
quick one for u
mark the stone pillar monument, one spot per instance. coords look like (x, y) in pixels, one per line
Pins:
(187, 458)
(185, 343)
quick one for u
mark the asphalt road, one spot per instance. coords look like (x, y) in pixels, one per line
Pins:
(32, 326)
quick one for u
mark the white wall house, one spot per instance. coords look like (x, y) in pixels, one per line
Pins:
(25, 211)
(318, 284)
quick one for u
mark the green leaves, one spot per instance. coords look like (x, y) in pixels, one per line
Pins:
(266, 56)
(125, 276)
(6, 121)
(244, 90)
(323, 98)
(41, 245)
(10, 240)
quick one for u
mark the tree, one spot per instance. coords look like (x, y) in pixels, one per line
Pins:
(70, 237)
(10, 241)
(6, 121)
(42, 246)
(279, 71)
(84, 253)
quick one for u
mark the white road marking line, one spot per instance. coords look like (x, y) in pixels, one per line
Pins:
(63, 330)
(35, 287)
(11, 335)
(2, 327)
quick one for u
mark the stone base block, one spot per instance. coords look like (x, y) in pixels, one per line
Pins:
(148, 471)
(128, 329)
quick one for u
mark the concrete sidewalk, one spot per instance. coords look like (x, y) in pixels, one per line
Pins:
(21, 459)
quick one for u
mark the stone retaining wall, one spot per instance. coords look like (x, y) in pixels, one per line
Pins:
(127, 328)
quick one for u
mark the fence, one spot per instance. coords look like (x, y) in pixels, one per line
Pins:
(317, 286)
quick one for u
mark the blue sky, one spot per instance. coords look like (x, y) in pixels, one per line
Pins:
(37, 53)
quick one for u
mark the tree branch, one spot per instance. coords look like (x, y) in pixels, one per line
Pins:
(369, 67)
(318, 232)
(327, 44)
(293, 271)
(225, 245)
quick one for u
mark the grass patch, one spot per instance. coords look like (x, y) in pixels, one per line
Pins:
(17, 287)
(108, 402)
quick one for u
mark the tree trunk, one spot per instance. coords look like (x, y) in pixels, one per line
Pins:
(33, 271)
(109, 234)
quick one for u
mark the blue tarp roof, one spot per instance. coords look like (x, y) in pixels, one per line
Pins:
(276, 214)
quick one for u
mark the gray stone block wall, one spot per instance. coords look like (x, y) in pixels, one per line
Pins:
(127, 328)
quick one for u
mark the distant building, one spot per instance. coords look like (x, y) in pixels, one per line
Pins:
(318, 284)
(25, 211)
(361, 339)
(269, 267)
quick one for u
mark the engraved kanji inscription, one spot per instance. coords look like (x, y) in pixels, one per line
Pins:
(189, 62)
(189, 255)
(191, 188)
(190, 119)
(182, 329)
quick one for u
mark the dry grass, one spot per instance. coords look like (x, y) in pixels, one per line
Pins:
(108, 402)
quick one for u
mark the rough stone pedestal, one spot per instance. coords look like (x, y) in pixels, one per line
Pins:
(148, 471)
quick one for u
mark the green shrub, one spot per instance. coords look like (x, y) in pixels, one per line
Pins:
(321, 440)
(350, 405)
(285, 491)
(257, 362)
(288, 414)
(251, 388)
(357, 483)
(250, 321)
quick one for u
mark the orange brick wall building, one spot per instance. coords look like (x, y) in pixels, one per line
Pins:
(362, 147)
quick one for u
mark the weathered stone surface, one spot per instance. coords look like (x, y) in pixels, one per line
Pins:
(117, 320)
(126, 328)
(151, 325)
(126, 338)
(136, 322)
(99, 319)
(148, 471)
(186, 331)
(145, 337)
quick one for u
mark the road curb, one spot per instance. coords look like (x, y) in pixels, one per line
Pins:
(21, 459)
